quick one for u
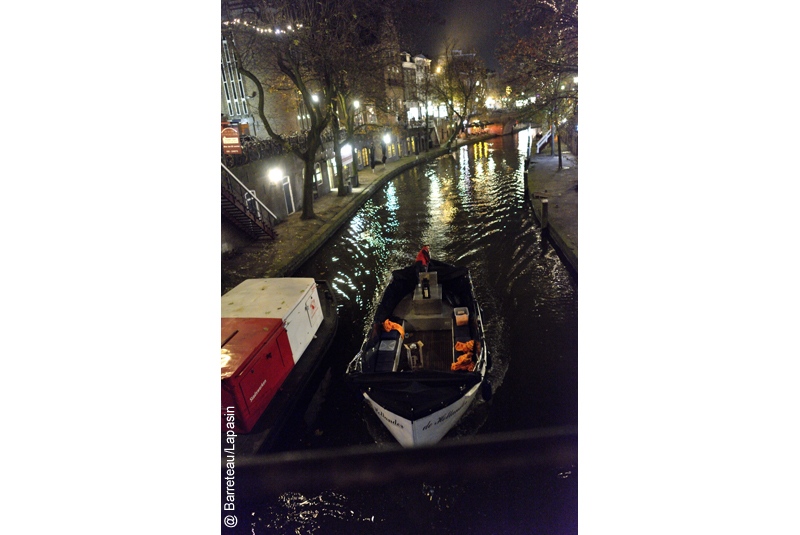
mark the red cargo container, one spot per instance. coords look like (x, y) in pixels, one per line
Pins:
(256, 358)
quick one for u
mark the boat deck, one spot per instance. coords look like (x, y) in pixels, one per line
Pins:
(433, 327)
(437, 349)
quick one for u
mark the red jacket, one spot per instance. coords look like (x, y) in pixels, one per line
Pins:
(424, 256)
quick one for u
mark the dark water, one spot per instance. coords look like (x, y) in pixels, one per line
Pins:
(469, 208)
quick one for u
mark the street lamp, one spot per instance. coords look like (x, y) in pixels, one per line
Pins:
(275, 175)
(387, 138)
(356, 104)
(315, 98)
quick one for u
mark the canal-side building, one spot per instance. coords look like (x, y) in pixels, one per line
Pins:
(425, 114)
(273, 177)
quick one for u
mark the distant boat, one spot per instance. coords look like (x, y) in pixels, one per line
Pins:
(421, 381)
(274, 335)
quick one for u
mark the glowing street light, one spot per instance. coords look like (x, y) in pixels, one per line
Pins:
(356, 104)
(387, 138)
(275, 175)
(315, 98)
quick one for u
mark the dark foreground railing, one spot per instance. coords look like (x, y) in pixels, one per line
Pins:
(477, 457)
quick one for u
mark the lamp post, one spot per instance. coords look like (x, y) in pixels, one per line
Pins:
(275, 175)
(386, 140)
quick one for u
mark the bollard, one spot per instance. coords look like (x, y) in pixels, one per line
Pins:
(544, 213)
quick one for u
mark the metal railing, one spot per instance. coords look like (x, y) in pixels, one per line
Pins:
(254, 149)
(357, 467)
(545, 137)
(247, 198)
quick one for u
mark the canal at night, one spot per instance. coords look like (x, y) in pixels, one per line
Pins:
(469, 207)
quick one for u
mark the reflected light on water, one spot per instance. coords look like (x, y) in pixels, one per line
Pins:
(301, 515)
(469, 206)
(392, 203)
(524, 140)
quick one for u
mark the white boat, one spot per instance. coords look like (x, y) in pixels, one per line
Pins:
(416, 377)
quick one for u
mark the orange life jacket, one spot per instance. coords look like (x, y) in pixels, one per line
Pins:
(464, 362)
(461, 347)
(389, 325)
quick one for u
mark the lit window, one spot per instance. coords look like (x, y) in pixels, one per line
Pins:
(232, 84)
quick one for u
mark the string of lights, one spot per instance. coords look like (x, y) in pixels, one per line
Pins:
(260, 29)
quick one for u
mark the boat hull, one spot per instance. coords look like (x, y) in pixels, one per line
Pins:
(424, 356)
(428, 429)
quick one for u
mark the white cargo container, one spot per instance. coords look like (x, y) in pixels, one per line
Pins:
(295, 301)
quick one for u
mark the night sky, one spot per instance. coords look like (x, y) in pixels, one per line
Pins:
(475, 23)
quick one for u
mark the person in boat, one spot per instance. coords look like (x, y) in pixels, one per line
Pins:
(423, 259)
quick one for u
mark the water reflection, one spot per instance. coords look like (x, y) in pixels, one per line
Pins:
(469, 207)
(329, 512)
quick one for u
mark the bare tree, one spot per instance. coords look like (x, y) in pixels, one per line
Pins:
(302, 43)
(539, 51)
(456, 84)
(361, 82)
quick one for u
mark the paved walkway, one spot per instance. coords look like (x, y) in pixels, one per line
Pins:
(299, 239)
(560, 187)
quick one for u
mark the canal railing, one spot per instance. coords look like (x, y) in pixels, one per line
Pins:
(550, 133)
(244, 209)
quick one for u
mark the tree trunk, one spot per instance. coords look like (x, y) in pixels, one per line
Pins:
(355, 165)
(456, 130)
(352, 140)
(349, 125)
(308, 185)
(559, 152)
(337, 154)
